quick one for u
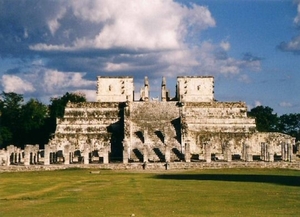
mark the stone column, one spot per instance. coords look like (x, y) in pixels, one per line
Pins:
(187, 154)
(10, 151)
(27, 156)
(207, 152)
(106, 155)
(47, 155)
(249, 156)
(67, 154)
(86, 156)
(289, 150)
(125, 152)
(227, 154)
(263, 151)
(271, 152)
(145, 153)
(284, 151)
(167, 153)
(37, 153)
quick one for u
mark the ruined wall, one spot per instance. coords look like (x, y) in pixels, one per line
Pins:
(217, 123)
(155, 127)
(195, 88)
(92, 126)
(115, 89)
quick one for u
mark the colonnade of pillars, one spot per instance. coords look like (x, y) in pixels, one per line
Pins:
(14, 155)
(32, 155)
(68, 156)
(267, 152)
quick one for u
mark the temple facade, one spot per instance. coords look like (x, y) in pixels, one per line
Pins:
(192, 126)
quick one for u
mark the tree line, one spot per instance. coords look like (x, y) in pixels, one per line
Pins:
(268, 121)
(33, 122)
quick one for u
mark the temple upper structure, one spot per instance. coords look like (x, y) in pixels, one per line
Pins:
(115, 89)
(190, 126)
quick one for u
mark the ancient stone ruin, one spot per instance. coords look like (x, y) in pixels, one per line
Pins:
(192, 126)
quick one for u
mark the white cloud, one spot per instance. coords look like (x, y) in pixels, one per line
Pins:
(130, 24)
(12, 83)
(294, 44)
(225, 45)
(285, 104)
(257, 103)
(297, 18)
(53, 23)
(53, 79)
(155, 38)
(245, 79)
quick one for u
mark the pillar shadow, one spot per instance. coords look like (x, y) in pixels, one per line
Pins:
(178, 154)
(273, 179)
(160, 135)
(140, 135)
(159, 154)
(138, 154)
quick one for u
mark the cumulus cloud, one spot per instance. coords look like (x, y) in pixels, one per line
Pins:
(293, 45)
(297, 18)
(68, 43)
(285, 104)
(257, 103)
(12, 83)
(150, 25)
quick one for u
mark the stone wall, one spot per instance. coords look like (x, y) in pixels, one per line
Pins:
(175, 166)
(191, 126)
(195, 88)
(154, 130)
(115, 89)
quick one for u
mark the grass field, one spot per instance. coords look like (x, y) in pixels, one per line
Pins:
(77, 192)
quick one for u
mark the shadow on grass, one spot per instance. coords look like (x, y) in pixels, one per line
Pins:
(273, 179)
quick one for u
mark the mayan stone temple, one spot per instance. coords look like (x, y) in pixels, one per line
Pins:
(191, 127)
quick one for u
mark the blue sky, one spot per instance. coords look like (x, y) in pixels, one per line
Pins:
(251, 47)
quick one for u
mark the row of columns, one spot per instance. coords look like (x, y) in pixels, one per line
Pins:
(14, 155)
(68, 154)
(267, 153)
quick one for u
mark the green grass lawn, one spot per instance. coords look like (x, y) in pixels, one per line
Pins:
(77, 192)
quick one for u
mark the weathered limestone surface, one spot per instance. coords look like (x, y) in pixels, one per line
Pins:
(191, 127)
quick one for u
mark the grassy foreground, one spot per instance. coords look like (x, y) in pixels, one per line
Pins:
(230, 192)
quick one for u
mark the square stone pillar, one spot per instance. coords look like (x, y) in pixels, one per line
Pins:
(284, 151)
(167, 154)
(125, 152)
(67, 154)
(289, 151)
(187, 154)
(207, 152)
(270, 152)
(86, 156)
(249, 156)
(47, 155)
(10, 154)
(227, 153)
(271, 157)
(106, 156)
(145, 153)
(27, 156)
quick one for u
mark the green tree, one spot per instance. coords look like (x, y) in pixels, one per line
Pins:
(10, 105)
(290, 124)
(32, 120)
(58, 104)
(57, 108)
(266, 120)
